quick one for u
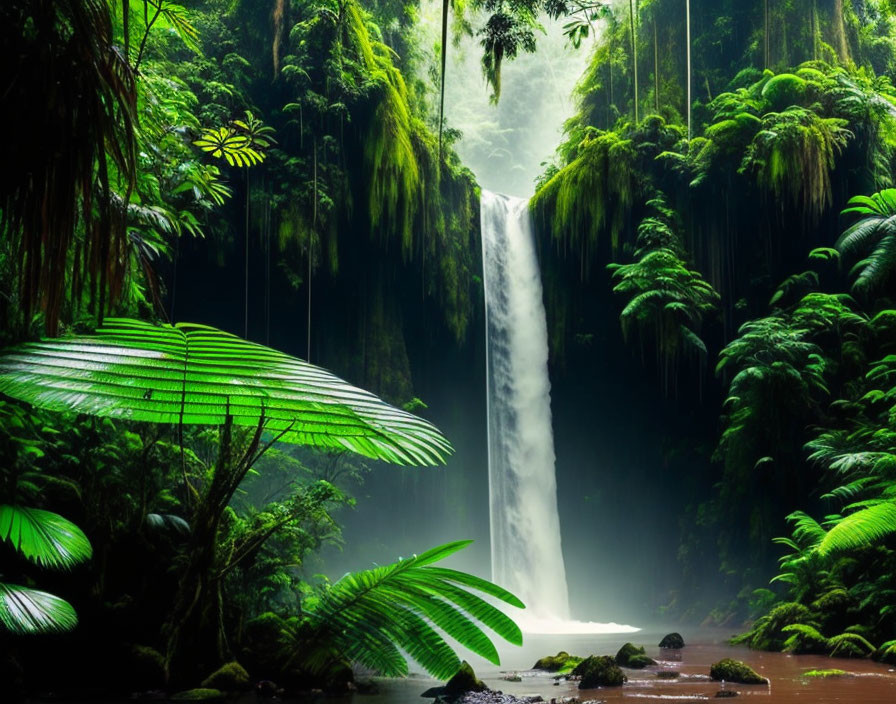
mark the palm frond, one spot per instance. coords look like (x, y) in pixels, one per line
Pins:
(863, 527)
(372, 615)
(43, 537)
(25, 611)
(198, 375)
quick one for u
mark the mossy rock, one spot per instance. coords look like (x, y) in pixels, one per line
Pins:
(729, 670)
(464, 681)
(599, 671)
(145, 668)
(825, 674)
(231, 677)
(633, 657)
(201, 694)
(668, 675)
(784, 90)
(561, 662)
(672, 641)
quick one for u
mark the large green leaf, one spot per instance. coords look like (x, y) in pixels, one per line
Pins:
(43, 537)
(25, 611)
(198, 375)
(371, 616)
(864, 527)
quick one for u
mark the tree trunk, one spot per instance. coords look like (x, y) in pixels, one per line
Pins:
(839, 26)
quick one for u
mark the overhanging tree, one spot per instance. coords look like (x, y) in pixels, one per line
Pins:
(191, 374)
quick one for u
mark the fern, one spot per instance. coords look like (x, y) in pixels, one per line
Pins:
(863, 527)
(872, 237)
(373, 616)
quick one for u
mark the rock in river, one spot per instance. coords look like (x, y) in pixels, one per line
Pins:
(634, 657)
(672, 641)
(599, 671)
(729, 670)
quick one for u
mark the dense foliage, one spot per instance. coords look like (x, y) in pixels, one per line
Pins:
(295, 146)
(752, 225)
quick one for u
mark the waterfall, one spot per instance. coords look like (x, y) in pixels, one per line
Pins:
(527, 556)
(525, 526)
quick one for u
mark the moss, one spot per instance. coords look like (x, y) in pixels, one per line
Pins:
(824, 674)
(464, 681)
(668, 675)
(146, 668)
(594, 193)
(599, 671)
(231, 677)
(784, 90)
(729, 670)
(634, 657)
(198, 695)
(672, 641)
(561, 662)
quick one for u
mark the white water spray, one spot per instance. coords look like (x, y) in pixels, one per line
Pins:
(527, 556)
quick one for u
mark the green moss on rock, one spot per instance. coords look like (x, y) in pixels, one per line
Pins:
(729, 670)
(784, 90)
(464, 681)
(825, 673)
(599, 671)
(146, 668)
(201, 694)
(634, 657)
(231, 677)
(561, 662)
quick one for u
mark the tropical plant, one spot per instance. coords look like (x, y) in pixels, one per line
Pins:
(666, 300)
(196, 375)
(373, 616)
(872, 237)
(793, 154)
(190, 374)
(49, 540)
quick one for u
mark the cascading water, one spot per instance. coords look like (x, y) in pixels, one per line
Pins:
(525, 526)
(506, 146)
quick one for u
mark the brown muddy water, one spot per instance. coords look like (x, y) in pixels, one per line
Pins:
(868, 683)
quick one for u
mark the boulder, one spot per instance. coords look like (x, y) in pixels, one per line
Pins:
(561, 662)
(672, 641)
(633, 657)
(231, 677)
(464, 681)
(729, 670)
(145, 668)
(268, 689)
(599, 671)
